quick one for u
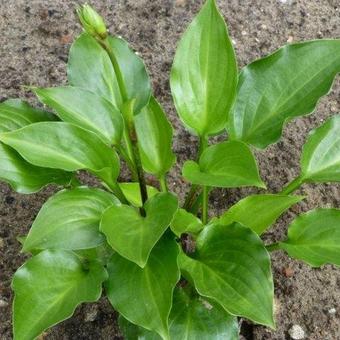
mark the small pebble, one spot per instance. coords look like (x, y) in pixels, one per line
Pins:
(3, 303)
(244, 33)
(332, 311)
(91, 315)
(264, 27)
(2, 242)
(290, 39)
(296, 332)
(288, 272)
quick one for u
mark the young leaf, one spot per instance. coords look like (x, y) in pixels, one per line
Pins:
(232, 267)
(134, 236)
(281, 86)
(90, 66)
(314, 237)
(154, 139)
(204, 74)
(49, 287)
(70, 220)
(64, 146)
(85, 109)
(185, 222)
(226, 165)
(258, 212)
(144, 295)
(320, 160)
(132, 193)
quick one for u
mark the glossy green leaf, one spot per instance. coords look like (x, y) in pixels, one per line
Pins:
(185, 222)
(226, 165)
(132, 235)
(144, 295)
(85, 109)
(132, 193)
(64, 146)
(320, 160)
(281, 86)
(89, 66)
(314, 237)
(232, 267)
(204, 74)
(258, 212)
(154, 139)
(70, 220)
(49, 287)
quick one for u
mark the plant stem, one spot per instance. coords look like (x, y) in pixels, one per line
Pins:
(115, 188)
(205, 199)
(273, 246)
(292, 186)
(124, 153)
(190, 197)
(163, 183)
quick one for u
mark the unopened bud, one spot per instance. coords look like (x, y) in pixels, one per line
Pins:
(92, 22)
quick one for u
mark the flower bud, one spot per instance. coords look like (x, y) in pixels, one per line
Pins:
(92, 22)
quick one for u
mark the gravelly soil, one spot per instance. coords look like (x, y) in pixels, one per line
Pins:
(34, 42)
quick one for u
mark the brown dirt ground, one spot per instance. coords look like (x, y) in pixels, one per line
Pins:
(34, 42)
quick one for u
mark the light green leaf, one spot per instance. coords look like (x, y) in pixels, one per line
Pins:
(70, 220)
(258, 212)
(144, 295)
(85, 109)
(226, 165)
(89, 66)
(49, 287)
(134, 236)
(232, 267)
(132, 193)
(185, 222)
(204, 74)
(154, 139)
(314, 237)
(281, 86)
(64, 146)
(320, 160)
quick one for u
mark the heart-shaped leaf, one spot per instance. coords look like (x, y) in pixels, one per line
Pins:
(131, 192)
(70, 220)
(144, 295)
(154, 139)
(258, 212)
(232, 267)
(314, 237)
(226, 165)
(85, 109)
(64, 146)
(49, 287)
(185, 222)
(204, 73)
(281, 86)
(132, 235)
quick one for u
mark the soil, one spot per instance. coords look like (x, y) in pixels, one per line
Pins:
(34, 43)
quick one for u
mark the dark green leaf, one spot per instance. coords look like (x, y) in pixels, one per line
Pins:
(281, 86)
(85, 109)
(258, 212)
(154, 139)
(70, 220)
(204, 74)
(144, 295)
(134, 236)
(49, 287)
(132, 193)
(185, 222)
(226, 165)
(232, 267)
(314, 237)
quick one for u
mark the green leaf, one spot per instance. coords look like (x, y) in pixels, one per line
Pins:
(320, 160)
(49, 287)
(258, 212)
(70, 220)
(185, 222)
(226, 165)
(314, 237)
(204, 73)
(85, 109)
(154, 139)
(64, 146)
(134, 236)
(89, 66)
(132, 193)
(281, 86)
(232, 267)
(144, 295)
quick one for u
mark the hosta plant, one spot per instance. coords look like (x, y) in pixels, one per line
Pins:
(168, 268)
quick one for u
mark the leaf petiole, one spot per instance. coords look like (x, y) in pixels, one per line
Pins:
(292, 186)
